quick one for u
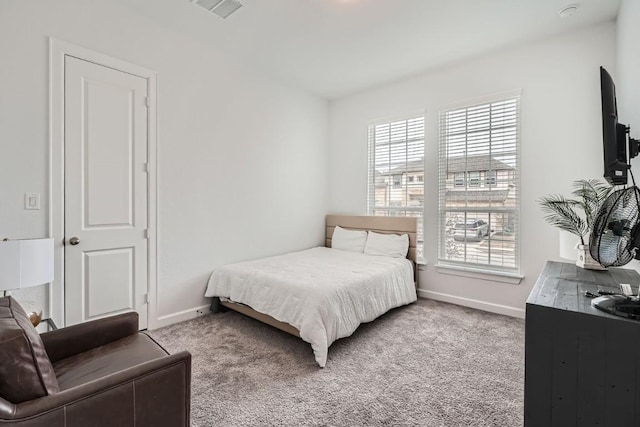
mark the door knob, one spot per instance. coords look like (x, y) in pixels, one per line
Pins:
(74, 241)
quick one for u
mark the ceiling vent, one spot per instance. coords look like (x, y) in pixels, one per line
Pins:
(222, 8)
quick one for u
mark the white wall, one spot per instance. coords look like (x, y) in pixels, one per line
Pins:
(561, 142)
(627, 77)
(242, 158)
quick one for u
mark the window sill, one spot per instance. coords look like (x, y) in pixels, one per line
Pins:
(476, 273)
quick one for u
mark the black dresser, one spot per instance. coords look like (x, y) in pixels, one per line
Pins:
(582, 366)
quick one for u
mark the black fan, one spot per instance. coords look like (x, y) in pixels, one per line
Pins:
(615, 241)
(615, 237)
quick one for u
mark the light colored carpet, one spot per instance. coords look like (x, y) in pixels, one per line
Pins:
(428, 364)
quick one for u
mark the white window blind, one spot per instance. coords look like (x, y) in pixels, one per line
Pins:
(396, 171)
(479, 215)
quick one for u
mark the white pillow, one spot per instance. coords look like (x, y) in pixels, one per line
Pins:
(348, 240)
(392, 245)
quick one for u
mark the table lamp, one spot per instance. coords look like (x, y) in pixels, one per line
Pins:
(25, 263)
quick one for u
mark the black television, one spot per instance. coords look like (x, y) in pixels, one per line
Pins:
(614, 135)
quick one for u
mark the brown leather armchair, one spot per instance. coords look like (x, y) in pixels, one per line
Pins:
(99, 373)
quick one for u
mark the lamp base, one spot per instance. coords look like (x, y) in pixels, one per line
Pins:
(35, 317)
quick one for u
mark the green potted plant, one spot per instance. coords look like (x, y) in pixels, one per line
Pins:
(577, 215)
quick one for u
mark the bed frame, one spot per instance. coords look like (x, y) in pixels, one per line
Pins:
(379, 224)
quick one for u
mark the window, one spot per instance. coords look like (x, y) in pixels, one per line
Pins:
(479, 223)
(474, 178)
(490, 178)
(396, 150)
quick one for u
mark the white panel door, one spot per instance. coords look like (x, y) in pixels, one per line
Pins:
(105, 192)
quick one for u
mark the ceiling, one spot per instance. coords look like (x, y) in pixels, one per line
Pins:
(336, 47)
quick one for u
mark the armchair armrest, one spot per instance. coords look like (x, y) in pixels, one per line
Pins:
(75, 339)
(163, 384)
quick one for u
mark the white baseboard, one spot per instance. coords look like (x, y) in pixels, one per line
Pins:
(192, 313)
(473, 303)
(183, 315)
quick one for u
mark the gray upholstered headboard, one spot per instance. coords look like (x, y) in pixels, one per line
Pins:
(379, 224)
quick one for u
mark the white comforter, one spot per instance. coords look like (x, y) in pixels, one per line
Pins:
(324, 293)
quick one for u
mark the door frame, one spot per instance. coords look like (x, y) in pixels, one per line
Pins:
(58, 49)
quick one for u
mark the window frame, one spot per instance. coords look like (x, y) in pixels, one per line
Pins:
(486, 182)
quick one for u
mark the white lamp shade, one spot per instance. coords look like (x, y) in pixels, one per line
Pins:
(25, 263)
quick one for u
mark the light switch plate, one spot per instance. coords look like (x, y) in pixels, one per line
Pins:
(31, 201)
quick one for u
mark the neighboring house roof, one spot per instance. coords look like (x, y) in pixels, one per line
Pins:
(482, 162)
(412, 166)
(476, 163)
(493, 195)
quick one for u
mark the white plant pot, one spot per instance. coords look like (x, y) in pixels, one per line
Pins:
(585, 260)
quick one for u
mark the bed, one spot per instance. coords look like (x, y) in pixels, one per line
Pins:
(321, 294)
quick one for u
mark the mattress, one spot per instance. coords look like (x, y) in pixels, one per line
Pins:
(324, 293)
